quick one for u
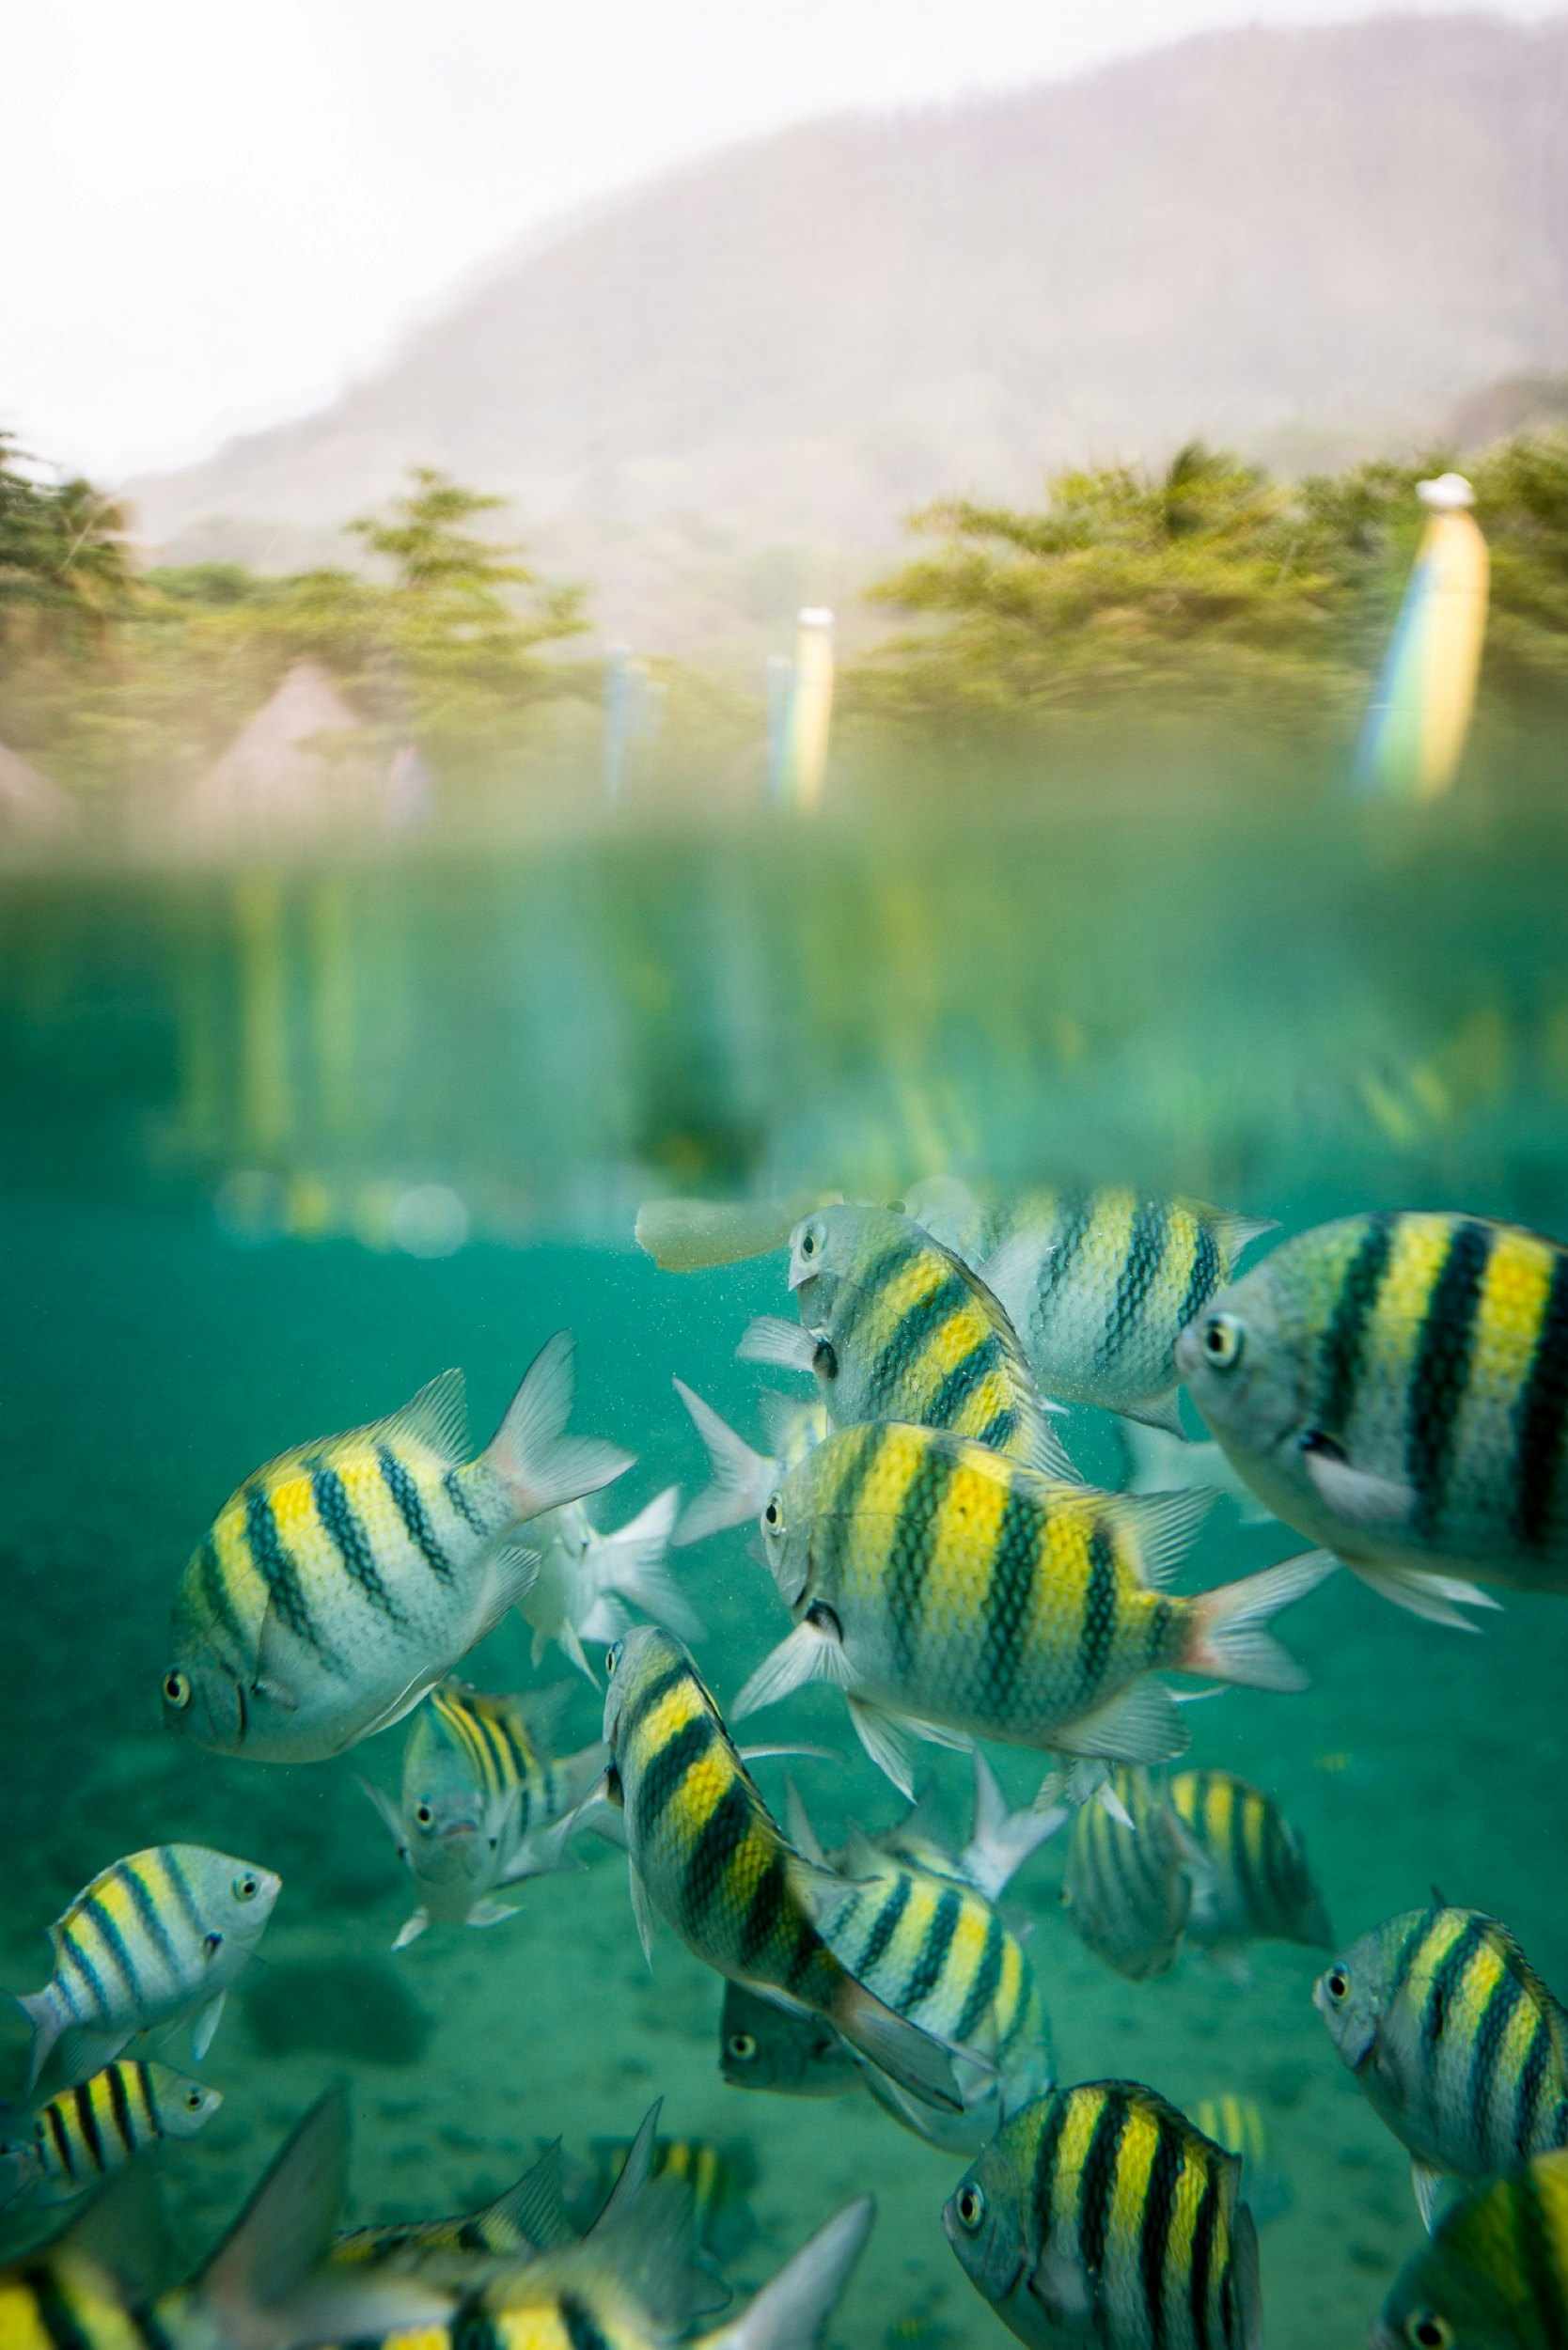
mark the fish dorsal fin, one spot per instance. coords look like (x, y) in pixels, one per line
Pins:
(124, 2233)
(437, 1418)
(285, 2228)
(535, 2207)
(1162, 1527)
(798, 1827)
(646, 2241)
(1552, 2012)
(638, 2168)
(861, 1858)
(1232, 1233)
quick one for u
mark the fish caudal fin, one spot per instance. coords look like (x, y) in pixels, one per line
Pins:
(629, 1565)
(902, 2051)
(40, 2009)
(1002, 1840)
(791, 2311)
(540, 1464)
(742, 1479)
(1228, 1638)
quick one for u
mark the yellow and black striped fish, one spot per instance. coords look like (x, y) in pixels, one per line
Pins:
(78, 2138)
(527, 2219)
(1237, 2125)
(1495, 2276)
(706, 1852)
(1128, 1889)
(1396, 1388)
(160, 1934)
(1253, 1882)
(345, 1577)
(1098, 1285)
(1456, 2041)
(933, 1579)
(895, 1326)
(719, 2178)
(1102, 2215)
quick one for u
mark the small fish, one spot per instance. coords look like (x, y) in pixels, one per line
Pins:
(945, 1589)
(741, 1478)
(894, 1326)
(1396, 1388)
(1495, 2276)
(1252, 1883)
(1128, 1888)
(1100, 1284)
(482, 1804)
(706, 1852)
(720, 2179)
(1237, 2125)
(154, 1938)
(345, 1577)
(80, 2137)
(1101, 2216)
(529, 2219)
(589, 1585)
(765, 2047)
(1456, 2041)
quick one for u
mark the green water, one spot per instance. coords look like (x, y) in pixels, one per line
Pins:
(239, 1115)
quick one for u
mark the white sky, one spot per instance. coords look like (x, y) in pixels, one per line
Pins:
(219, 212)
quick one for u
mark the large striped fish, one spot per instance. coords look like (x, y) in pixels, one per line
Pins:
(345, 1577)
(1252, 1882)
(154, 1938)
(1102, 2215)
(706, 1853)
(941, 1586)
(484, 1805)
(1495, 2276)
(1098, 1285)
(1396, 1388)
(1128, 1886)
(895, 1326)
(1456, 2041)
(81, 2138)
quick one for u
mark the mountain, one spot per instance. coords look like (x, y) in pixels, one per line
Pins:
(715, 397)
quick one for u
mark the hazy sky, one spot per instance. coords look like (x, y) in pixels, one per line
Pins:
(218, 211)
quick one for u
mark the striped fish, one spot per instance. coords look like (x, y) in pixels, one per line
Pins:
(1128, 1889)
(938, 1583)
(764, 2047)
(719, 2179)
(895, 1326)
(1396, 1388)
(1101, 2216)
(1237, 2125)
(346, 1576)
(1098, 1285)
(1252, 1882)
(741, 1478)
(156, 1936)
(484, 1805)
(527, 2219)
(78, 2138)
(1495, 2276)
(1456, 2041)
(706, 1852)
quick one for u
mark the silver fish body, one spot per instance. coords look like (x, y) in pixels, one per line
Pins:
(1128, 1889)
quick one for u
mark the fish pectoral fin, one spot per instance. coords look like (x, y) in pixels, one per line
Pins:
(571, 1648)
(1428, 2184)
(783, 1345)
(1112, 1806)
(205, 2024)
(1354, 1494)
(489, 1912)
(1138, 1725)
(1421, 1592)
(885, 1739)
(511, 1570)
(642, 1908)
(411, 1928)
(391, 1817)
(1063, 2287)
(812, 1651)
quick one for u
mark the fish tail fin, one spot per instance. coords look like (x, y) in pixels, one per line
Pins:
(629, 1565)
(41, 2013)
(1002, 1840)
(1228, 1638)
(539, 1463)
(741, 1478)
(907, 2054)
(791, 2313)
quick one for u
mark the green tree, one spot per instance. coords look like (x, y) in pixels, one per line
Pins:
(64, 571)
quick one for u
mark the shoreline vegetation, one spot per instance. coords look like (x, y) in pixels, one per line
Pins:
(1203, 616)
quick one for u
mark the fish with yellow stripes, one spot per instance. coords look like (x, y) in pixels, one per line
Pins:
(742, 1479)
(1252, 1882)
(1101, 2215)
(706, 1852)
(1456, 2041)
(719, 2179)
(1236, 2122)
(895, 1326)
(1395, 1387)
(1128, 1886)
(946, 1589)
(529, 2219)
(156, 1936)
(1098, 1285)
(79, 2138)
(1495, 2276)
(483, 1803)
(344, 1578)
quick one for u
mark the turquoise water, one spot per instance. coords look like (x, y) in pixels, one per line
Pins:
(276, 1149)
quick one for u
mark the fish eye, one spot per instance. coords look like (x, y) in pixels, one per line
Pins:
(210, 1944)
(808, 1243)
(1222, 1340)
(1337, 1984)
(177, 1690)
(195, 2099)
(969, 2203)
(773, 1515)
(612, 1656)
(1427, 2330)
(741, 2046)
(423, 1814)
(246, 1888)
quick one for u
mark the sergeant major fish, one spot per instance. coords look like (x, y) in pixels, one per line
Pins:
(1252, 1882)
(1102, 2215)
(482, 1803)
(1495, 2276)
(943, 1587)
(81, 2138)
(895, 1326)
(765, 2047)
(154, 1938)
(1396, 1388)
(1128, 1888)
(346, 1576)
(705, 1852)
(589, 1583)
(741, 1478)
(1456, 2041)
